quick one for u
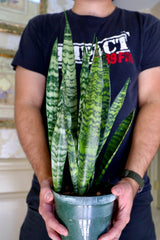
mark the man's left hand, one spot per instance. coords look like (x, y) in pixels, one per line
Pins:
(125, 192)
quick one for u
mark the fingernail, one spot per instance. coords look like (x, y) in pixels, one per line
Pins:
(48, 196)
(65, 233)
(116, 189)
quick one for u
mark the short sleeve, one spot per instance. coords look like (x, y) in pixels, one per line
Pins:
(151, 44)
(30, 52)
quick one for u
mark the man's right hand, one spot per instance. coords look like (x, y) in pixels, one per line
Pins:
(47, 211)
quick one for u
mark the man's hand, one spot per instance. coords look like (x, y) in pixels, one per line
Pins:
(47, 211)
(125, 191)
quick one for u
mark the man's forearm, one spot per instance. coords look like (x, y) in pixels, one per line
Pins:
(146, 138)
(33, 139)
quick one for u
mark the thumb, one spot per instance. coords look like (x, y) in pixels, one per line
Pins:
(46, 191)
(48, 196)
(116, 190)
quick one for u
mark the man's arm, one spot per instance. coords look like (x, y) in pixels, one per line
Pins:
(146, 138)
(145, 143)
(29, 94)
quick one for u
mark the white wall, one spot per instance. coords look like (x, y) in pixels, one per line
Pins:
(136, 4)
(15, 171)
(15, 180)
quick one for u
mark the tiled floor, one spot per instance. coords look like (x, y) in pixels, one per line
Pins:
(156, 218)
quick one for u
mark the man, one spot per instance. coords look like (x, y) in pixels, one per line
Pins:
(131, 43)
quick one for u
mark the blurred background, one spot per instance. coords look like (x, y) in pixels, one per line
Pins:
(15, 171)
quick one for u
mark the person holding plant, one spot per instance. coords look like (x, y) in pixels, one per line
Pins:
(130, 41)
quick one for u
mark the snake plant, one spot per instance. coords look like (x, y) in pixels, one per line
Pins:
(79, 130)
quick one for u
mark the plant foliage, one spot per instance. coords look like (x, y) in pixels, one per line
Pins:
(80, 132)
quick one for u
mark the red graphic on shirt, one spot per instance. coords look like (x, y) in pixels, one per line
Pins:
(119, 58)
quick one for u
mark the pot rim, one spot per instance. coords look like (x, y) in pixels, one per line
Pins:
(85, 200)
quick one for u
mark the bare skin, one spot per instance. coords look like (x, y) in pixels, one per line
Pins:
(32, 135)
(98, 8)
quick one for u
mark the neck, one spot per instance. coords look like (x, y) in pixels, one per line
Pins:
(98, 8)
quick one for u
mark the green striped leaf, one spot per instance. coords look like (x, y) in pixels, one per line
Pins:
(83, 86)
(89, 139)
(59, 147)
(112, 114)
(52, 92)
(70, 101)
(106, 96)
(72, 148)
(114, 145)
(69, 76)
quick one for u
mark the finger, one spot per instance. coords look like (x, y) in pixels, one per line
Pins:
(53, 223)
(53, 235)
(118, 225)
(115, 231)
(111, 235)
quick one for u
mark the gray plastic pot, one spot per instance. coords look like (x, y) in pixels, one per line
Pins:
(86, 218)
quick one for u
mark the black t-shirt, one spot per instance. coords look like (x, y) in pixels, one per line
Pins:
(131, 41)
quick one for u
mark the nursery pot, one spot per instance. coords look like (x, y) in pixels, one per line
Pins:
(86, 218)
